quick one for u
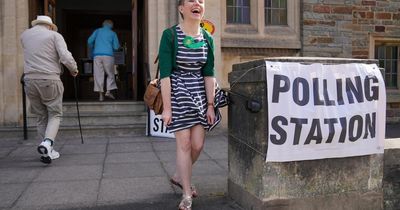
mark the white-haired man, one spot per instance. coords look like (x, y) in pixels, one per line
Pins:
(44, 49)
(104, 42)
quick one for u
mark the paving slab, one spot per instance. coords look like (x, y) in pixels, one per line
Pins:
(9, 193)
(70, 173)
(130, 147)
(132, 170)
(60, 193)
(83, 149)
(130, 157)
(18, 175)
(80, 159)
(133, 189)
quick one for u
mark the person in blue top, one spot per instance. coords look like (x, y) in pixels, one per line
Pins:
(103, 42)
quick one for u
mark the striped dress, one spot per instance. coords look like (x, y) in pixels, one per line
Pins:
(188, 95)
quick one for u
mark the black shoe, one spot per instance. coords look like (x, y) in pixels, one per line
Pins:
(45, 160)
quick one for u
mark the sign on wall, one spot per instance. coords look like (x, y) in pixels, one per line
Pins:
(156, 126)
(321, 111)
(208, 26)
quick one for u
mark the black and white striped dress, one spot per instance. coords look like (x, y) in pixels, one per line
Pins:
(188, 95)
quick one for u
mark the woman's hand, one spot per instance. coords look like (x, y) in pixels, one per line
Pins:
(166, 116)
(210, 115)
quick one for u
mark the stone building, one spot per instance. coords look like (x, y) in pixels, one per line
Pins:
(244, 30)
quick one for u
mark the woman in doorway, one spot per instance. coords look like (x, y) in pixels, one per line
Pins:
(187, 86)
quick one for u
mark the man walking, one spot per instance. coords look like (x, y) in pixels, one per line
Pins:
(44, 49)
(104, 42)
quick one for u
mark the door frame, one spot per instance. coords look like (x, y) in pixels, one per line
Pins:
(135, 34)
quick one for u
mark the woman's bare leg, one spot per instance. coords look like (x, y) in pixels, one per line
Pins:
(197, 134)
(184, 159)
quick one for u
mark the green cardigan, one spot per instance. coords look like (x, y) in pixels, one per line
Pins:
(167, 55)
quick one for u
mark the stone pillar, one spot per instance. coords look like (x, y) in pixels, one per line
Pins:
(14, 20)
(391, 175)
(159, 18)
(329, 184)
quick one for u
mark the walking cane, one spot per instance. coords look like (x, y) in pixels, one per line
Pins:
(77, 108)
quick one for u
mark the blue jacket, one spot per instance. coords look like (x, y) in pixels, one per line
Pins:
(104, 41)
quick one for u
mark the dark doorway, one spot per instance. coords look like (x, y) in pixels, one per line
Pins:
(79, 25)
(77, 19)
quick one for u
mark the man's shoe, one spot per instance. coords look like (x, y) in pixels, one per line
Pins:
(46, 150)
(110, 95)
(101, 97)
(54, 154)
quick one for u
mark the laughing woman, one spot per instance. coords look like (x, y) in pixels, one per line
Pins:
(187, 86)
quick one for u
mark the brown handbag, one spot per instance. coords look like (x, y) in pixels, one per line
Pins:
(152, 97)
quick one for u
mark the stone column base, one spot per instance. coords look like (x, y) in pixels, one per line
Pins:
(364, 201)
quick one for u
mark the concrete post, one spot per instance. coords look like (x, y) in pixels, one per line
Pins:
(340, 183)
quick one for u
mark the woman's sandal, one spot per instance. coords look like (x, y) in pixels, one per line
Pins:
(193, 188)
(186, 203)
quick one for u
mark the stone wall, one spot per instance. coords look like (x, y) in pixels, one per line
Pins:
(349, 29)
(391, 172)
(342, 28)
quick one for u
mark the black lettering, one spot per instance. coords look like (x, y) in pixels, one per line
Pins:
(315, 127)
(297, 129)
(354, 90)
(162, 126)
(305, 91)
(343, 123)
(339, 91)
(368, 89)
(155, 128)
(331, 125)
(352, 121)
(279, 130)
(370, 125)
(317, 99)
(277, 88)
(328, 102)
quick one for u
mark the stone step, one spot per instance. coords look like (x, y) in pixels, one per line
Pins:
(108, 118)
(98, 118)
(138, 129)
(105, 106)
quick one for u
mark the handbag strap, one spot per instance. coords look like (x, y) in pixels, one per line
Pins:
(156, 60)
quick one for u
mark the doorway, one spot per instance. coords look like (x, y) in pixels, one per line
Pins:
(76, 21)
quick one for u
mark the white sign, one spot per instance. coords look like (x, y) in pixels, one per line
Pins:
(157, 127)
(321, 111)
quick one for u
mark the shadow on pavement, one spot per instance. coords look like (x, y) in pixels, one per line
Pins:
(202, 203)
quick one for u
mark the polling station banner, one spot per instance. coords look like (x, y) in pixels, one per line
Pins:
(321, 111)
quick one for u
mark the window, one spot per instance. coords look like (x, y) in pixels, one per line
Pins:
(275, 12)
(238, 11)
(389, 59)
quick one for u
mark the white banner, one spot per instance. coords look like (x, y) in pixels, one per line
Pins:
(157, 127)
(321, 111)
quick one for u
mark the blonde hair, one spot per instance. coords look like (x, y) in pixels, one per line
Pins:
(181, 3)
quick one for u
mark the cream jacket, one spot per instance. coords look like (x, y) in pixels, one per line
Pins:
(44, 51)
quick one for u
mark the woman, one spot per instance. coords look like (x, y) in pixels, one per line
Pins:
(187, 84)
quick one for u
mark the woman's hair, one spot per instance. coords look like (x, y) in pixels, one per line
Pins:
(180, 3)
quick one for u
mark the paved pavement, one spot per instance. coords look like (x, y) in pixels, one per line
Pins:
(109, 173)
(113, 173)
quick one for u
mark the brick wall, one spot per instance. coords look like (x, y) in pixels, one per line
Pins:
(342, 28)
